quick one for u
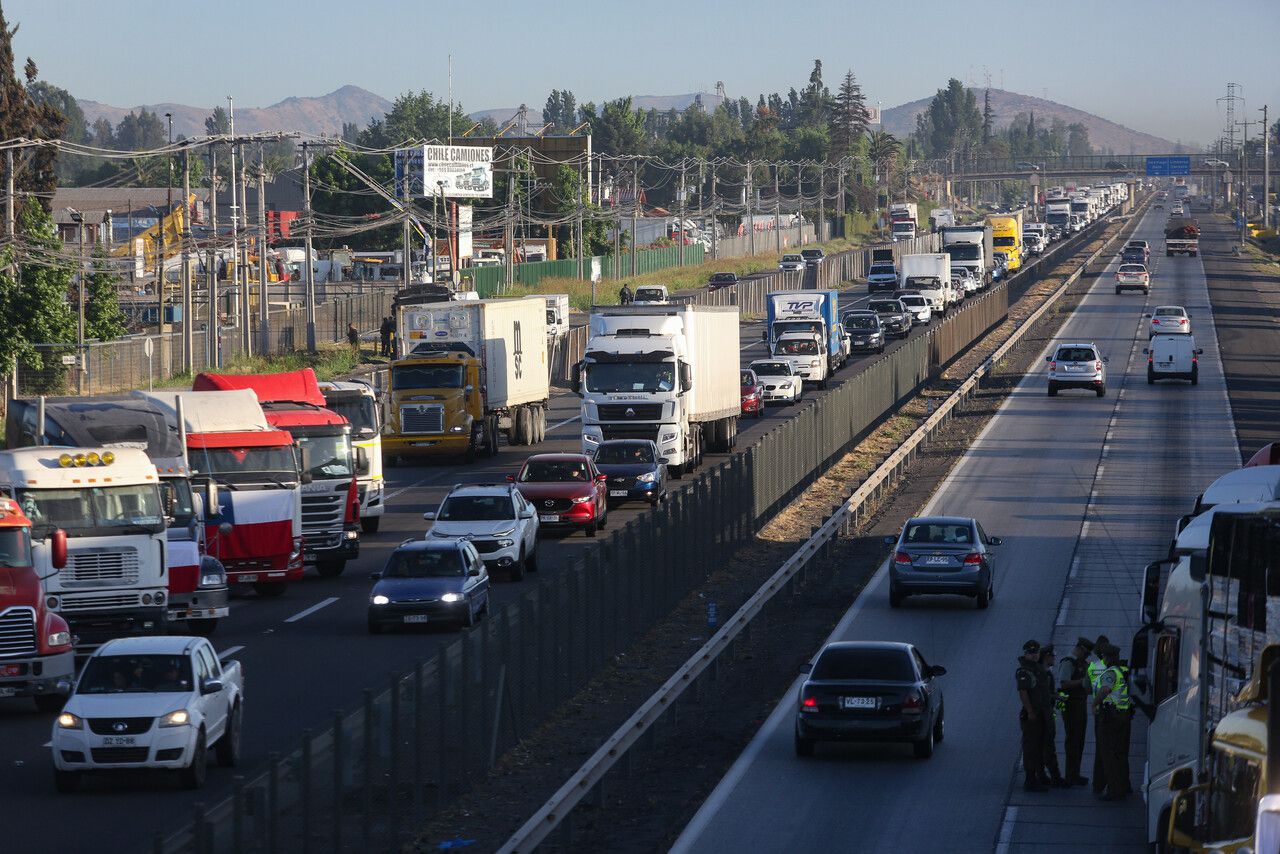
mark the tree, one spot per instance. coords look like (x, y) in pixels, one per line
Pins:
(568, 191)
(849, 116)
(350, 132)
(74, 130)
(561, 109)
(988, 117)
(35, 169)
(35, 306)
(619, 128)
(814, 104)
(419, 115)
(103, 319)
(1078, 140)
(883, 149)
(141, 131)
(952, 123)
(217, 124)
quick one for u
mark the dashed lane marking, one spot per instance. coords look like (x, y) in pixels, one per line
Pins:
(305, 612)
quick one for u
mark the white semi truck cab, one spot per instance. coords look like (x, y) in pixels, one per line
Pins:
(107, 501)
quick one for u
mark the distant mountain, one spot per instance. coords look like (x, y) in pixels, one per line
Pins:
(319, 115)
(1103, 133)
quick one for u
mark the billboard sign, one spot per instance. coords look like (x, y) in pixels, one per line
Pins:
(461, 171)
(1167, 166)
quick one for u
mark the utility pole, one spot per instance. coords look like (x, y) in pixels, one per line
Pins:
(233, 182)
(1244, 176)
(406, 238)
(1266, 170)
(682, 212)
(635, 210)
(777, 209)
(582, 242)
(799, 204)
(751, 215)
(160, 257)
(822, 202)
(80, 348)
(242, 259)
(213, 329)
(187, 317)
(308, 274)
(509, 250)
(264, 308)
(715, 223)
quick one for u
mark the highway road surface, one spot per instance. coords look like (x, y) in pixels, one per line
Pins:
(1085, 491)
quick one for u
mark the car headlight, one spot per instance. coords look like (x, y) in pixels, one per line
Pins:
(180, 717)
(213, 579)
(648, 477)
(66, 720)
(784, 385)
(451, 597)
(582, 499)
(434, 533)
(814, 363)
(59, 638)
(379, 599)
(587, 437)
(506, 543)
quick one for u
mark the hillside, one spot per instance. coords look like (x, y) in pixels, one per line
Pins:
(1103, 134)
(323, 114)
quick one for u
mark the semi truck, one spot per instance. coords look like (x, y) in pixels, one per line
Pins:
(903, 220)
(292, 401)
(36, 656)
(197, 582)
(1082, 206)
(664, 373)
(817, 312)
(249, 474)
(357, 402)
(467, 371)
(101, 508)
(942, 218)
(928, 274)
(970, 246)
(1181, 237)
(1058, 217)
(1006, 237)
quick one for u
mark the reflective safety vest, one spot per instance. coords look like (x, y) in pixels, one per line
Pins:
(1094, 670)
(1119, 696)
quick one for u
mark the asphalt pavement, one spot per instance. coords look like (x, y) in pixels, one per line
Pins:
(1084, 491)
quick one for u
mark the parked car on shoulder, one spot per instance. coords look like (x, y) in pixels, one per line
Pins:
(1079, 365)
(865, 332)
(428, 582)
(791, 264)
(870, 691)
(1169, 320)
(567, 490)
(942, 554)
(781, 382)
(633, 469)
(498, 521)
(721, 280)
(894, 316)
(752, 394)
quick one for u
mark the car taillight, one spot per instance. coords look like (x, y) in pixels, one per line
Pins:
(913, 703)
(1182, 323)
(809, 704)
(902, 557)
(1053, 366)
(972, 559)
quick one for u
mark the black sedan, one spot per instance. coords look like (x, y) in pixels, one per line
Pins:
(893, 315)
(866, 335)
(722, 280)
(427, 582)
(870, 691)
(632, 469)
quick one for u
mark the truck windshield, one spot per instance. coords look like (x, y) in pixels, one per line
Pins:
(15, 547)
(963, 251)
(359, 411)
(175, 498)
(248, 464)
(93, 511)
(630, 376)
(1055, 218)
(1004, 241)
(136, 674)
(426, 376)
(330, 455)
(797, 348)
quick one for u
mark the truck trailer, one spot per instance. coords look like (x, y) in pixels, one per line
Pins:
(970, 246)
(1181, 237)
(929, 275)
(817, 312)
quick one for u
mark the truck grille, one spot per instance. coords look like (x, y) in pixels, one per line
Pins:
(115, 566)
(629, 411)
(72, 604)
(104, 755)
(131, 726)
(322, 513)
(418, 418)
(18, 632)
(630, 431)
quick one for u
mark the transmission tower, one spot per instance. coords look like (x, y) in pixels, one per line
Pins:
(1231, 97)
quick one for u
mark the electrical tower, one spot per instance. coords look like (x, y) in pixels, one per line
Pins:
(1231, 97)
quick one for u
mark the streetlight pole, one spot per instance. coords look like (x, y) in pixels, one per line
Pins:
(78, 219)
(163, 245)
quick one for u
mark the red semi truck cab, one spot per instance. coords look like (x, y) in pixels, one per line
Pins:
(36, 658)
(293, 402)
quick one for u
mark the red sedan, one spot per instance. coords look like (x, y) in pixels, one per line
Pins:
(752, 394)
(566, 490)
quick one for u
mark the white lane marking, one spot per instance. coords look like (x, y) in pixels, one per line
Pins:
(47, 744)
(1006, 829)
(230, 651)
(323, 603)
(1062, 612)
(402, 490)
(564, 422)
(1084, 529)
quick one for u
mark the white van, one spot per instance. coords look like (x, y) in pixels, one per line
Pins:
(651, 295)
(1172, 357)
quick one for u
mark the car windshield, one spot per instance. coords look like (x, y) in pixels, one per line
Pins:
(938, 533)
(554, 471)
(630, 376)
(791, 258)
(1075, 354)
(810, 254)
(772, 369)
(426, 376)
(781, 327)
(649, 295)
(624, 453)
(476, 508)
(93, 511)
(882, 270)
(877, 665)
(15, 547)
(861, 321)
(959, 272)
(136, 674)
(330, 455)
(914, 302)
(175, 499)
(1170, 312)
(425, 563)
(798, 348)
(748, 378)
(724, 277)
(247, 464)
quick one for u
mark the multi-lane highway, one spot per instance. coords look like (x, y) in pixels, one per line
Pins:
(1085, 491)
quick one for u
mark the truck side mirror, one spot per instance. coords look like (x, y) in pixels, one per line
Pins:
(467, 390)
(575, 380)
(1150, 602)
(362, 461)
(58, 546)
(304, 476)
(211, 498)
(686, 376)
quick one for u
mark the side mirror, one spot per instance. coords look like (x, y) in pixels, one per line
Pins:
(1146, 352)
(1199, 351)
(1105, 359)
(1048, 358)
(995, 541)
(467, 390)
(527, 513)
(889, 541)
(937, 670)
(362, 461)
(58, 545)
(575, 380)
(474, 573)
(211, 498)
(1146, 314)
(1150, 601)
(430, 515)
(210, 686)
(305, 474)
(662, 461)
(1181, 780)
(375, 575)
(686, 376)
(807, 667)
(511, 478)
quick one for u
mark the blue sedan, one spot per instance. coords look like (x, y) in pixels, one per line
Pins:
(632, 469)
(427, 582)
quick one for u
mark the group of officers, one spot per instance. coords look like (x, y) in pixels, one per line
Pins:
(1092, 676)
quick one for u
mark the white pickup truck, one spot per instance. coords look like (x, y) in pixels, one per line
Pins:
(150, 702)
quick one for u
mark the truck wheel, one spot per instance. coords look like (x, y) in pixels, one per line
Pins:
(1195, 375)
(228, 747)
(1151, 377)
(66, 782)
(491, 445)
(269, 589)
(204, 628)
(49, 702)
(519, 434)
(330, 568)
(369, 524)
(542, 424)
(193, 776)
(1117, 290)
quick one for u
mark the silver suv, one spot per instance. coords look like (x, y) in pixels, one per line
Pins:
(1077, 366)
(497, 519)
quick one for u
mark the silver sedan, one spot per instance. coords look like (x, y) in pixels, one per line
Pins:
(942, 554)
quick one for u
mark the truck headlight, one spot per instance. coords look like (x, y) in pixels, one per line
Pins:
(587, 437)
(814, 363)
(351, 535)
(66, 720)
(213, 579)
(451, 597)
(180, 717)
(668, 437)
(59, 638)
(379, 600)
(457, 429)
(158, 598)
(52, 602)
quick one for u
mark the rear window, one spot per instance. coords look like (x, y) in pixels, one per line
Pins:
(885, 306)
(1170, 312)
(888, 665)
(1076, 354)
(938, 533)
(1132, 268)
(772, 369)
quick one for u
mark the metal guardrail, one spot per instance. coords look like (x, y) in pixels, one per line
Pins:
(592, 772)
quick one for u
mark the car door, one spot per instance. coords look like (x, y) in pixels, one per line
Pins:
(599, 486)
(931, 684)
(205, 666)
(476, 587)
(988, 554)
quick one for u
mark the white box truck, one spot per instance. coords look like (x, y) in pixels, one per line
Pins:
(666, 373)
(970, 246)
(929, 275)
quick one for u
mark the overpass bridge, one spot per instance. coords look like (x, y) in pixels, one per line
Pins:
(1116, 167)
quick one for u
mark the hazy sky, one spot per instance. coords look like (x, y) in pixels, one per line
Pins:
(1153, 65)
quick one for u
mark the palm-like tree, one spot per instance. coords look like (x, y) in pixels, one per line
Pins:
(883, 149)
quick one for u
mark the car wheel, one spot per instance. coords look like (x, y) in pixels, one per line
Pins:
(924, 747)
(1101, 390)
(938, 733)
(804, 746)
(369, 525)
(1117, 290)
(1151, 377)
(50, 702)
(1195, 375)
(228, 747)
(193, 776)
(983, 599)
(591, 529)
(66, 782)
(531, 563)
(1053, 389)
(895, 597)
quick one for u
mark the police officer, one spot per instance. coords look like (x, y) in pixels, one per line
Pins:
(1113, 714)
(1073, 696)
(1092, 671)
(1031, 718)
(1045, 696)
(625, 297)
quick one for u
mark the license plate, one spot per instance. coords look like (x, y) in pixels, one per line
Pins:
(617, 493)
(118, 741)
(548, 518)
(937, 560)
(1076, 369)
(8, 691)
(416, 618)
(859, 702)
(252, 576)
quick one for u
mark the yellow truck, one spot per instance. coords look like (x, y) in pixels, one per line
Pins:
(466, 371)
(1006, 237)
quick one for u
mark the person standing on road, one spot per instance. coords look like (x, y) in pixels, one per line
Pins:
(1046, 693)
(1112, 709)
(624, 295)
(1027, 678)
(1073, 696)
(1092, 671)
(384, 333)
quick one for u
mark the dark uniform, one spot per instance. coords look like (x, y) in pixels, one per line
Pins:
(1073, 697)
(384, 333)
(1046, 695)
(1093, 669)
(1030, 686)
(1114, 715)
(624, 295)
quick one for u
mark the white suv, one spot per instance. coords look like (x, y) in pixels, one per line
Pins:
(1077, 366)
(497, 519)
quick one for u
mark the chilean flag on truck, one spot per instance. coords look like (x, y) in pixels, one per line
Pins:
(261, 526)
